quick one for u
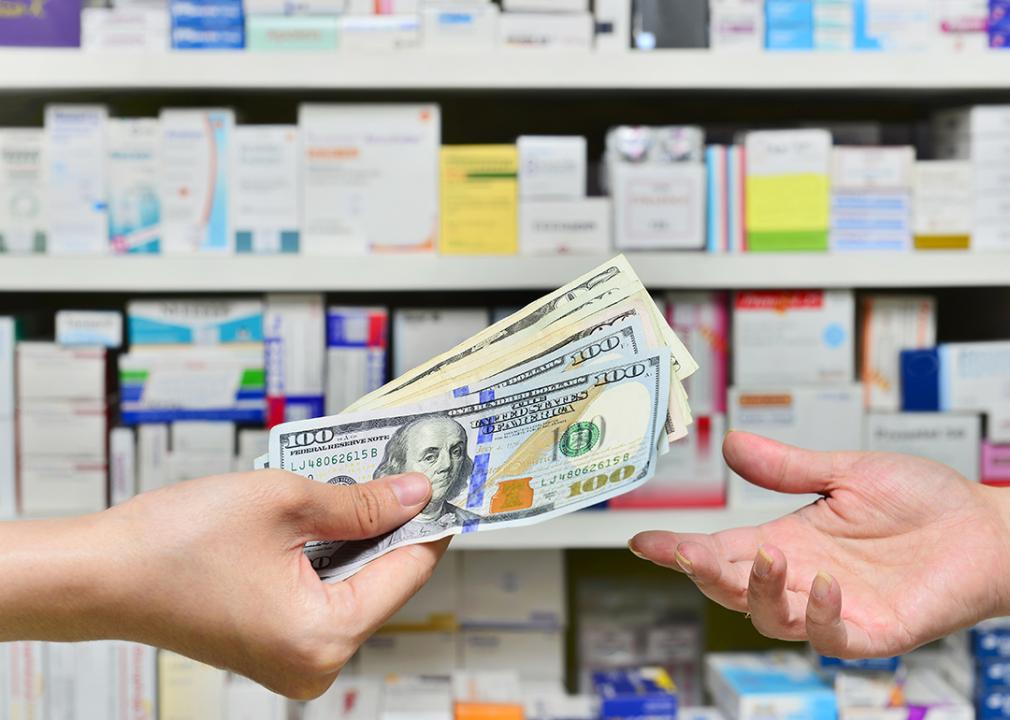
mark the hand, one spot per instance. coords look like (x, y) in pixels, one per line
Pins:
(898, 552)
(214, 569)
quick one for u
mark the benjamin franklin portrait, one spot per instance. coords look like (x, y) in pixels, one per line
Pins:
(435, 446)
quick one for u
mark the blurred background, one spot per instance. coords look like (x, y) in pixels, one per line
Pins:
(218, 215)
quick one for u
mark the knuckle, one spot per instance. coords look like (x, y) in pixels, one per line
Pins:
(367, 509)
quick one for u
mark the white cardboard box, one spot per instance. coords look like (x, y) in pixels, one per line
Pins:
(436, 605)
(552, 167)
(8, 469)
(8, 341)
(195, 322)
(196, 152)
(976, 377)
(25, 680)
(356, 160)
(23, 221)
(246, 700)
(152, 457)
(417, 698)
(62, 427)
(79, 679)
(89, 327)
(460, 27)
(47, 371)
(951, 439)
(892, 323)
(536, 654)
(943, 198)
(76, 192)
(513, 589)
(54, 485)
(421, 334)
(192, 437)
(294, 330)
(556, 32)
(357, 338)
(125, 29)
(545, 6)
(412, 653)
(122, 465)
(787, 337)
(659, 207)
(613, 25)
(266, 189)
(252, 443)
(811, 417)
(136, 682)
(574, 227)
(189, 690)
(378, 33)
(133, 173)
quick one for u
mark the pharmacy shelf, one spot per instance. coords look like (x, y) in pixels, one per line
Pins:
(613, 528)
(139, 274)
(505, 69)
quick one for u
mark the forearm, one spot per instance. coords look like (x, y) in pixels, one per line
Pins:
(59, 579)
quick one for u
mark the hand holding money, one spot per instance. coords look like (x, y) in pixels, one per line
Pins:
(559, 407)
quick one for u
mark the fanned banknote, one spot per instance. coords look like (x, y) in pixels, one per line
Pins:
(558, 407)
(507, 456)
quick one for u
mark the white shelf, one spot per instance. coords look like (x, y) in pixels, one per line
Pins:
(515, 69)
(433, 273)
(614, 528)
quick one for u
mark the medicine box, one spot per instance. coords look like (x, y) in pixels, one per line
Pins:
(194, 322)
(513, 589)
(947, 438)
(356, 339)
(552, 227)
(762, 686)
(976, 377)
(793, 337)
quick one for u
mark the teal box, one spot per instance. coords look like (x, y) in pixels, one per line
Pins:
(291, 32)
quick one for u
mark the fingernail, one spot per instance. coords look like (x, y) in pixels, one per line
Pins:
(634, 551)
(821, 586)
(411, 490)
(685, 564)
(763, 563)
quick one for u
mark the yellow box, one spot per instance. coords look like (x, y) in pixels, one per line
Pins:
(479, 203)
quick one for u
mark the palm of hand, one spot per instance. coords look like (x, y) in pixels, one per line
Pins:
(917, 550)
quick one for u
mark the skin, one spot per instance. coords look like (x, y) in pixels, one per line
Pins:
(899, 551)
(214, 569)
(436, 449)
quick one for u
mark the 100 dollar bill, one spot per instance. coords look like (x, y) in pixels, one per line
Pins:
(504, 457)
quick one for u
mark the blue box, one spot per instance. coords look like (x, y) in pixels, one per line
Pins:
(992, 674)
(789, 38)
(870, 665)
(993, 705)
(789, 12)
(990, 641)
(920, 380)
(642, 694)
(185, 38)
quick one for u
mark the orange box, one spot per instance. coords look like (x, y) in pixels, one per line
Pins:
(489, 711)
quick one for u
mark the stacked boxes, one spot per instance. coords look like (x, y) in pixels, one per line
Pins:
(789, 24)
(656, 177)
(871, 198)
(207, 24)
(193, 360)
(990, 648)
(61, 410)
(356, 343)
(981, 135)
(294, 334)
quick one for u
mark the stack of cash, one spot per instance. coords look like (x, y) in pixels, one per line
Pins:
(560, 406)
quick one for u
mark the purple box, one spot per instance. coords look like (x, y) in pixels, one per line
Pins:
(41, 23)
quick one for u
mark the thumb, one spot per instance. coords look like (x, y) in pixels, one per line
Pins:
(783, 468)
(366, 510)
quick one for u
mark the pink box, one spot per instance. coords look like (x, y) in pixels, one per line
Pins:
(995, 464)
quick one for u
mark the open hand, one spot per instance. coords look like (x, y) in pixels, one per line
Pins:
(898, 552)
